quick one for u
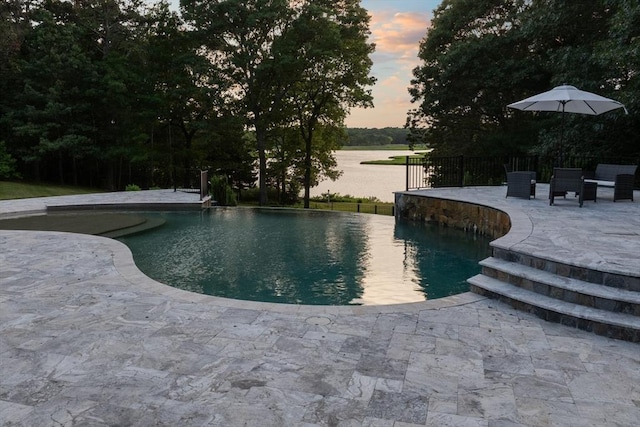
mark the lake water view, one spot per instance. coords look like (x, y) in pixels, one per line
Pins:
(366, 180)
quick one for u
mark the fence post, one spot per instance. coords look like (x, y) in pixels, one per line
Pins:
(204, 184)
(461, 169)
(406, 168)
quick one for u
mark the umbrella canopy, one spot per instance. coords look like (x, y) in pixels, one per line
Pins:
(568, 99)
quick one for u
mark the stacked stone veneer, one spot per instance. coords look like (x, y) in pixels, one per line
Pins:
(480, 219)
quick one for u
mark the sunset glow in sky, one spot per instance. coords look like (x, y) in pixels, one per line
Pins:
(397, 26)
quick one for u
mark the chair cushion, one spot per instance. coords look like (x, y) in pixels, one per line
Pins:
(601, 183)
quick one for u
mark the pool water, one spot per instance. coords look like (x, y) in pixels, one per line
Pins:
(307, 257)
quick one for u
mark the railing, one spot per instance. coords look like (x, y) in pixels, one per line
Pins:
(416, 173)
(371, 208)
(460, 171)
(204, 184)
(192, 180)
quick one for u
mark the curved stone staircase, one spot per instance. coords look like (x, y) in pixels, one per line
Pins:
(604, 303)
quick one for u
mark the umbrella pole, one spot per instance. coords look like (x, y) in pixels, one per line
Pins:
(560, 153)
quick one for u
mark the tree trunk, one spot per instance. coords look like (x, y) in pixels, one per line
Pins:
(262, 179)
(75, 170)
(307, 171)
(308, 138)
(60, 168)
(36, 171)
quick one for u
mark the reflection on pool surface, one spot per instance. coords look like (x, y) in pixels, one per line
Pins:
(307, 257)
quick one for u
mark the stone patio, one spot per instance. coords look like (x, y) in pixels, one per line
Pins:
(87, 339)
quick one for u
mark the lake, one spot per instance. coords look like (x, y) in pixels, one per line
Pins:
(366, 180)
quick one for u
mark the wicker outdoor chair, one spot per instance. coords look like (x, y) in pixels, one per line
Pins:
(521, 184)
(516, 183)
(619, 177)
(565, 180)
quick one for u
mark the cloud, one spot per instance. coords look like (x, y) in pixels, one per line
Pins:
(397, 36)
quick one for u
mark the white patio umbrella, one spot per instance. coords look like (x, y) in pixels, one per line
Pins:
(567, 99)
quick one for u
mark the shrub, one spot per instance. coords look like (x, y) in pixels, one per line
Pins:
(132, 187)
(7, 164)
(274, 198)
(337, 197)
(221, 191)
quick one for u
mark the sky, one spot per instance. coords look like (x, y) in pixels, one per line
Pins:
(397, 26)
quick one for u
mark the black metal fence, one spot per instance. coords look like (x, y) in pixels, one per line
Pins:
(460, 171)
(416, 173)
(370, 208)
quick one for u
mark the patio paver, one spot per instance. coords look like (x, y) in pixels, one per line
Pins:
(87, 339)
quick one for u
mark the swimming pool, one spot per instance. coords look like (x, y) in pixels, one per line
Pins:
(307, 257)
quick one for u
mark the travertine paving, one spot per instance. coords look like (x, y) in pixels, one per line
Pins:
(86, 339)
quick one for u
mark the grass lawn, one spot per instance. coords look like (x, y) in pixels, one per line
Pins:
(380, 208)
(394, 160)
(23, 190)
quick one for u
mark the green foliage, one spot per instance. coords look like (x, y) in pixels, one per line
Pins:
(251, 196)
(222, 192)
(132, 187)
(332, 51)
(7, 164)
(480, 55)
(376, 137)
(109, 92)
(292, 64)
(337, 197)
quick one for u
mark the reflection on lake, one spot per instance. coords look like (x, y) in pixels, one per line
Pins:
(366, 180)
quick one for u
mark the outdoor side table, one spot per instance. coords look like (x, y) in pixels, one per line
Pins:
(590, 190)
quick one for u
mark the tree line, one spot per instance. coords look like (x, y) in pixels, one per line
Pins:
(480, 55)
(376, 136)
(114, 92)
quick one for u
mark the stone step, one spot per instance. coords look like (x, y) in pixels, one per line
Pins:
(614, 325)
(563, 288)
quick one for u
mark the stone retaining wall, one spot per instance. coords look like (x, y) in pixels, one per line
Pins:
(480, 219)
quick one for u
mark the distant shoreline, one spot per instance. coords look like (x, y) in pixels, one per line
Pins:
(397, 147)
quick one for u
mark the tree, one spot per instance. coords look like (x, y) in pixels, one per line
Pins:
(185, 93)
(239, 36)
(286, 165)
(563, 36)
(474, 60)
(619, 56)
(115, 35)
(303, 61)
(329, 38)
(55, 78)
(374, 136)
(479, 56)
(13, 27)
